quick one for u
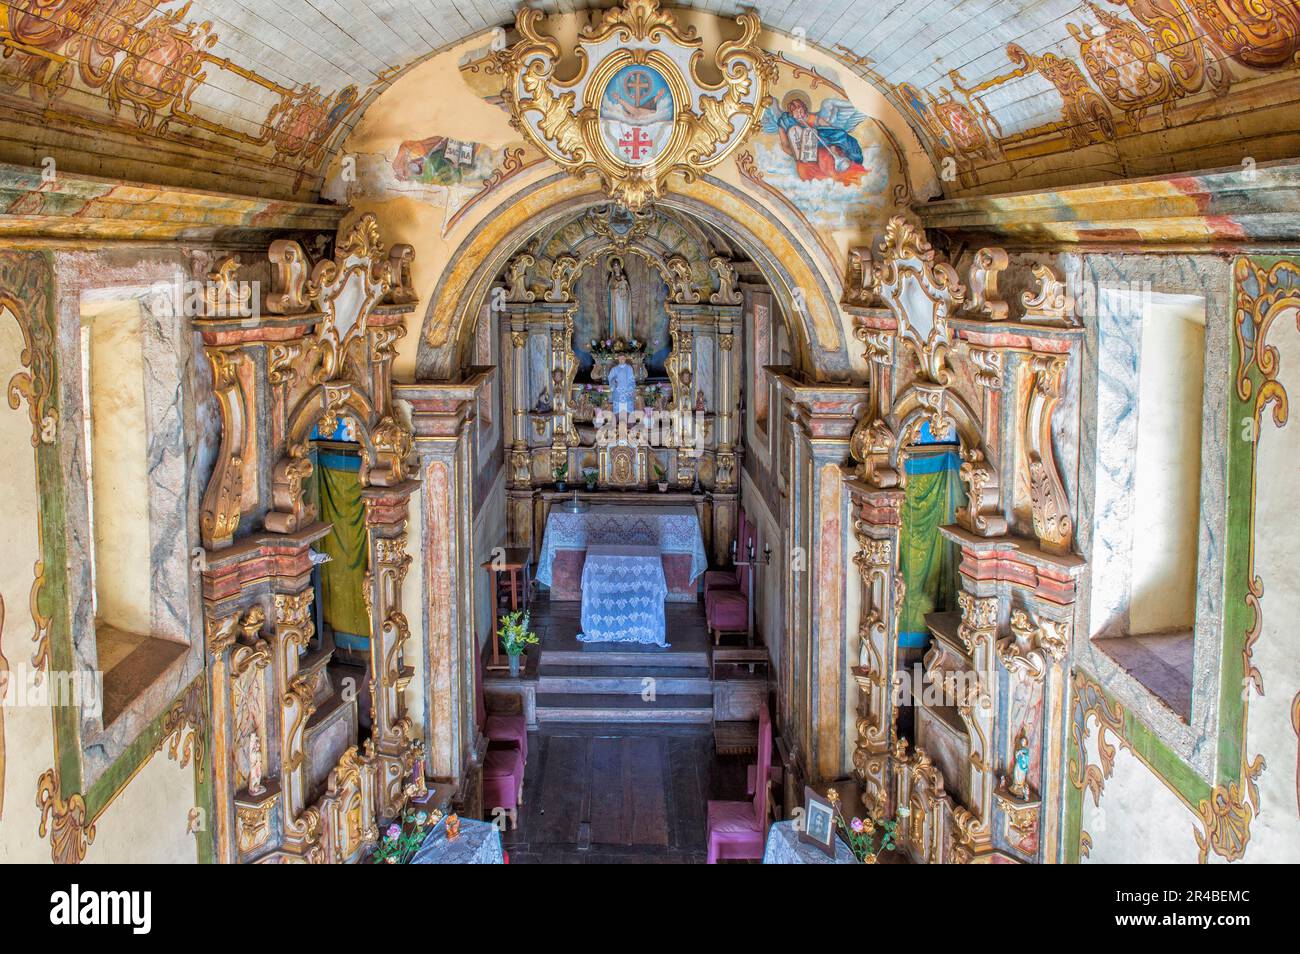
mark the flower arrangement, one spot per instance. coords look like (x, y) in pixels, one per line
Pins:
(865, 837)
(589, 475)
(514, 632)
(401, 840)
(614, 346)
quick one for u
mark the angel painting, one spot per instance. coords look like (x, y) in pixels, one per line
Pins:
(821, 143)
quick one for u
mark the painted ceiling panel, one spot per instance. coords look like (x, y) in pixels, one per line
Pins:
(271, 87)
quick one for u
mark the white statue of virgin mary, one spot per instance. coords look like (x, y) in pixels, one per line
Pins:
(620, 302)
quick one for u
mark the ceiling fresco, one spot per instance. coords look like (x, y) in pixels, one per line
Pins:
(993, 88)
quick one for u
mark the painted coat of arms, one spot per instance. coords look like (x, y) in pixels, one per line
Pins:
(637, 111)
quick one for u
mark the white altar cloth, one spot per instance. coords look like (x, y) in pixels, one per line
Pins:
(623, 591)
(668, 529)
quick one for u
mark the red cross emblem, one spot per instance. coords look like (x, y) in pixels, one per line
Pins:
(635, 143)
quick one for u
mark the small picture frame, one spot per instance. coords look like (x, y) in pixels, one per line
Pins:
(818, 822)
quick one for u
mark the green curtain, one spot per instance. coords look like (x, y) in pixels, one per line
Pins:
(343, 578)
(929, 560)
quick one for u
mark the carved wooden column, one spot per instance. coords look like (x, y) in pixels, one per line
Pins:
(387, 509)
(876, 526)
(441, 415)
(292, 630)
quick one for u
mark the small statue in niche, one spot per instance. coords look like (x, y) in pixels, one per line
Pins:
(620, 302)
(699, 401)
(543, 405)
(255, 786)
(1019, 784)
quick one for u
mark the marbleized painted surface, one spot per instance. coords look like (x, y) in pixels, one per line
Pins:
(1260, 794)
(141, 808)
(1108, 441)
(170, 500)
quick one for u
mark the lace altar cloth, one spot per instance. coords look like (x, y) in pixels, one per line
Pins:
(667, 529)
(479, 843)
(623, 591)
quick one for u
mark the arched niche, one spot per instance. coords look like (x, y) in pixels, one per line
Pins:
(881, 444)
(385, 446)
(792, 266)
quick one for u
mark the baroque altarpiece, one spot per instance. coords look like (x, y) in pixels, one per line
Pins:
(308, 757)
(651, 292)
(969, 755)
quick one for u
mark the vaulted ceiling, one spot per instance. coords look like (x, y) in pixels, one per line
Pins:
(1001, 92)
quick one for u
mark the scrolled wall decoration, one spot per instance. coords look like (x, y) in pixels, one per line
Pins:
(638, 111)
(1053, 525)
(65, 820)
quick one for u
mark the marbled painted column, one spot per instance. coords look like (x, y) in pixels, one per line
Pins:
(441, 415)
(824, 691)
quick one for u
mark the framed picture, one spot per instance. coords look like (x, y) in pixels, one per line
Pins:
(818, 822)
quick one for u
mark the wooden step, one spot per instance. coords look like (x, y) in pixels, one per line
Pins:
(623, 707)
(668, 680)
(638, 656)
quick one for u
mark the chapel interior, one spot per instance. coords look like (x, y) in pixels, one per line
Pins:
(629, 432)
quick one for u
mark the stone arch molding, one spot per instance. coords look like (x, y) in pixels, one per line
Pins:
(790, 264)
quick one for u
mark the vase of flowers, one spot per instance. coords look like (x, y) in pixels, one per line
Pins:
(561, 474)
(515, 637)
(402, 839)
(661, 479)
(589, 475)
(866, 837)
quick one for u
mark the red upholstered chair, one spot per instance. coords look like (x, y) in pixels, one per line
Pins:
(505, 729)
(738, 830)
(503, 778)
(727, 611)
(726, 579)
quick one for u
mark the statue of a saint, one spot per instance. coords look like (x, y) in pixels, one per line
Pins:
(1019, 785)
(255, 786)
(622, 387)
(620, 302)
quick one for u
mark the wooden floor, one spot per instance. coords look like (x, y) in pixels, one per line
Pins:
(620, 794)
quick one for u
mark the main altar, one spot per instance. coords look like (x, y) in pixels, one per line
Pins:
(671, 533)
(620, 330)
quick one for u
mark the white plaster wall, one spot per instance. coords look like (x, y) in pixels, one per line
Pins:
(147, 822)
(1167, 479)
(28, 731)
(1274, 724)
(1139, 819)
(489, 533)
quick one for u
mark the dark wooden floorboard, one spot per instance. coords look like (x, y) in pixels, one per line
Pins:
(620, 794)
